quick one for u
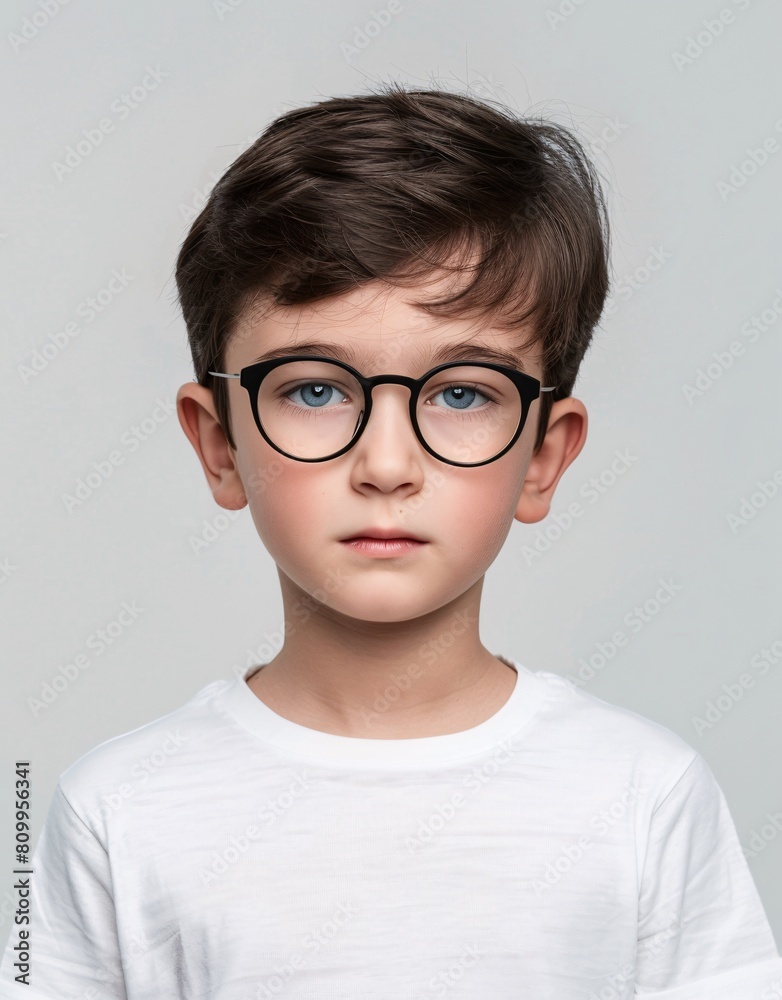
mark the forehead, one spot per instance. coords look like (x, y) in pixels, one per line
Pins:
(370, 329)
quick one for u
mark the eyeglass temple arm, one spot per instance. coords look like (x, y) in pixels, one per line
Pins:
(543, 388)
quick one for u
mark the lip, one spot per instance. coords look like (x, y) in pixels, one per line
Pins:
(384, 534)
(383, 547)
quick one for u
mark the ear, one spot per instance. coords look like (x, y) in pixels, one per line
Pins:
(198, 419)
(565, 437)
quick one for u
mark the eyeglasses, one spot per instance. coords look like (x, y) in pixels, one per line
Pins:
(312, 408)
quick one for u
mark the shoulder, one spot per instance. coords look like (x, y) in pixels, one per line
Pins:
(590, 730)
(104, 777)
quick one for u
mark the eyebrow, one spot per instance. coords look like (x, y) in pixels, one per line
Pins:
(447, 352)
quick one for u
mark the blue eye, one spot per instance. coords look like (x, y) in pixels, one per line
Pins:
(315, 394)
(461, 396)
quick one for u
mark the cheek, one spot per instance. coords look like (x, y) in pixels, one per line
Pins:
(287, 501)
(474, 512)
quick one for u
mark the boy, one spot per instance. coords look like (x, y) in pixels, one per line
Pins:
(388, 298)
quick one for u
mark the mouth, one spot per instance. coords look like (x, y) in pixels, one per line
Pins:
(383, 542)
(383, 535)
(371, 546)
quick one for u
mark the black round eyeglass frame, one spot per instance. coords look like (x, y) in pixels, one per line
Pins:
(252, 376)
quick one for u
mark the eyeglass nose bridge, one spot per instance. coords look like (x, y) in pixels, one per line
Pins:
(413, 384)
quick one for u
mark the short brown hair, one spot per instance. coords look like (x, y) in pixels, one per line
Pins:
(389, 186)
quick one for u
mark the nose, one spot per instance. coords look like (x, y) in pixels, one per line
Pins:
(390, 416)
(389, 442)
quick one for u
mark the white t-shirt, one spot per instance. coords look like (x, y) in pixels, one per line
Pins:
(564, 849)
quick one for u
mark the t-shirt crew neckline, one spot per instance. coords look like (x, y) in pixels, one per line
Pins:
(255, 715)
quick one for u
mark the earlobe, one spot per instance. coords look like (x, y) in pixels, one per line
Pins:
(565, 437)
(198, 419)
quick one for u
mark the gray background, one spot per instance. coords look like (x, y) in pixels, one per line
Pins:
(664, 136)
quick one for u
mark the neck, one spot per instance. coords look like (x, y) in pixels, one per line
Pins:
(427, 676)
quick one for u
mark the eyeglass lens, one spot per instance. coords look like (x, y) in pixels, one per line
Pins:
(312, 409)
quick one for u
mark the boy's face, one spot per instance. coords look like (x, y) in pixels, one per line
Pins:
(303, 511)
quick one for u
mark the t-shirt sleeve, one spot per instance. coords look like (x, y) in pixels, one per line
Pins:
(702, 932)
(73, 946)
